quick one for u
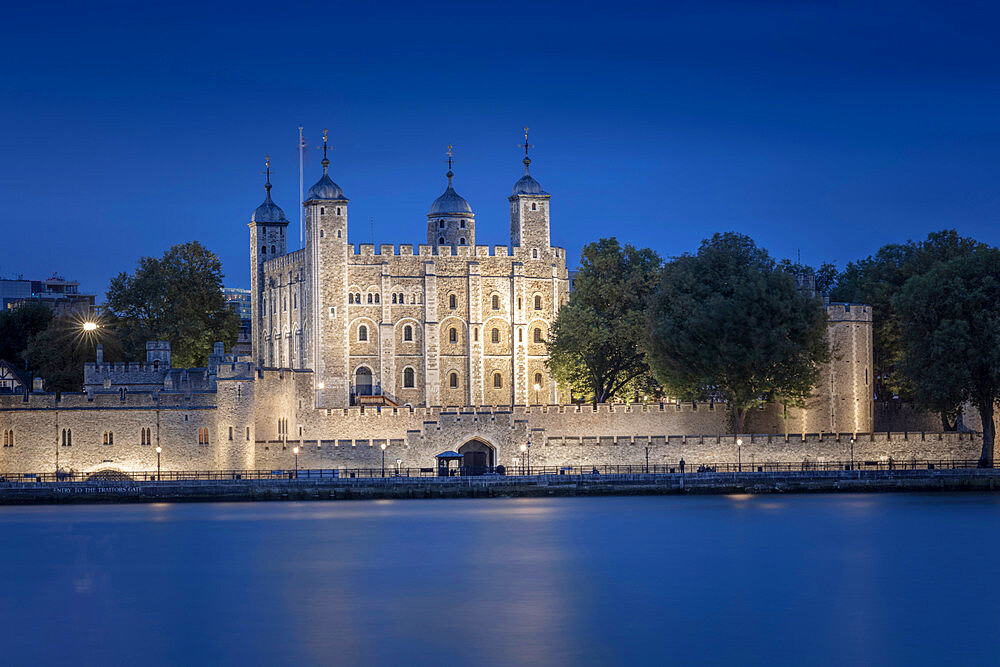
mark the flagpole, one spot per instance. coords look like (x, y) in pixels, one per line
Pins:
(302, 233)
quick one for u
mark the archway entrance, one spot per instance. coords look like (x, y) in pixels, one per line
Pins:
(363, 381)
(477, 457)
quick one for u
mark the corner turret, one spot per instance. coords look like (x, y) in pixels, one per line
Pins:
(450, 220)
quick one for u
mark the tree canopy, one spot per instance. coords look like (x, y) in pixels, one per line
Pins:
(178, 298)
(949, 321)
(595, 347)
(18, 325)
(729, 324)
(877, 281)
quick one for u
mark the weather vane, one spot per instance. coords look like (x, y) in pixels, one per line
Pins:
(526, 145)
(267, 172)
(451, 157)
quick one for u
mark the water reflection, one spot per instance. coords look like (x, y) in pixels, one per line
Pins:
(758, 579)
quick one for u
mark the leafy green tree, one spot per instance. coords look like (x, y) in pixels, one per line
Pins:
(728, 324)
(18, 325)
(950, 333)
(595, 344)
(825, 276)
(177, 298)
(877, 280)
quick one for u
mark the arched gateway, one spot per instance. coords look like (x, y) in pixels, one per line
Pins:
(477, 457)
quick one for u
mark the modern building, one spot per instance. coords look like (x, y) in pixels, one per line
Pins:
(64, 296)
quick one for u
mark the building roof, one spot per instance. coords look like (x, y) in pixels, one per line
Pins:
(450, 201)
(269, 211)
(326, 189)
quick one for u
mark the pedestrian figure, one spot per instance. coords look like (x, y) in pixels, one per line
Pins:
(682, 465)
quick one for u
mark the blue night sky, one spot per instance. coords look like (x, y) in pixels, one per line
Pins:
(830, 130)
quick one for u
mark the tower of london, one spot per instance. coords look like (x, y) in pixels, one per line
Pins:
(449, 322)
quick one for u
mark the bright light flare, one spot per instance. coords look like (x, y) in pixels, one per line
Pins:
(90, 326)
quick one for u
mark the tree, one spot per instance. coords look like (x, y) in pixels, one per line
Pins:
(177, 298)
(825, 276)
(728, 324)
(950, 333)
(18, 325)
(876, 281)
(58, 353)
(595, 344)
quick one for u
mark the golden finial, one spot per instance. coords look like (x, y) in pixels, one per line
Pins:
(325, 162)
(451, 158)
(526, 146)
(267, 173)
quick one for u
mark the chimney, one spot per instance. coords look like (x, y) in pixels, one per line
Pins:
(100, 354)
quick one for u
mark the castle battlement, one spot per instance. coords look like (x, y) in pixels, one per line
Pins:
(849, 312)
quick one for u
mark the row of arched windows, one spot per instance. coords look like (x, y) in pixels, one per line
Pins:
(67, 437)
(461, 241)
(461, 224)
(202, 435)
(145, 436)
(8, 437)
(372, 298)
(109, 437)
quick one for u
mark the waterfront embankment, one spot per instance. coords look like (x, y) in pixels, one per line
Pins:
(127, 491)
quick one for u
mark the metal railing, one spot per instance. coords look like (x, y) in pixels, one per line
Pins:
(390, 473)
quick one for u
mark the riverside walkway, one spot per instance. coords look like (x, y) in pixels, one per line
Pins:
(307, 487)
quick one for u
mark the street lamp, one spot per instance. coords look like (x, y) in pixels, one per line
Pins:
(739, 454)
(647, 454)
(158, 450)
(852, 452)
(383, 459)
(537, 387)
(524, 448)
(527, 451)
(295, 450)
(399, 462)
(90, 326)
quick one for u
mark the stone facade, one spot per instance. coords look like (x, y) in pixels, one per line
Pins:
(450, 336)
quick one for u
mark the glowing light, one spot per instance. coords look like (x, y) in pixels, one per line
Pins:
(321, 385)
(90, 326)
(158, 450)
(295, 450)
(383, 446)
(523, 447)
(537, 386)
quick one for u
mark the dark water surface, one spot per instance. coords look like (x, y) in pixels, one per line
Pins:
(755, 580)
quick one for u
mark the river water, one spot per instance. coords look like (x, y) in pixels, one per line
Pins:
(811, 579)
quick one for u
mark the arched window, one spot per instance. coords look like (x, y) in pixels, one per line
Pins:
(408, 377)
(441, 240)
(407, 332)
(394, 297)
(362, 333)
(376, 298)
(452, 335)
(462, 224)
(402, 298)
(495, 302)
(461, 241)
(350, 298)
(452, 301)
(495, 335)
(534, 207)
(538, 335)
(357, 297)
(363, 381)
(338, 210)
(538, 302)
(369, 298)
(273, 250)
(538, 379)
(497, 381)
(263, 250)
(453, 380)
(534, 253)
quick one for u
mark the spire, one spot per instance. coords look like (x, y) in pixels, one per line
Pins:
(526, 146)
(325, 162)
(451, 158)
(267, 175)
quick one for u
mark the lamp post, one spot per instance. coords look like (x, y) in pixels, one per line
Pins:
(399, 462)
(647, 454)
(383, 459)
(295, 450)
(524, 448)
(527, 452)
(739, 454)
(852, 452)
(537, 387)
(158, 450)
